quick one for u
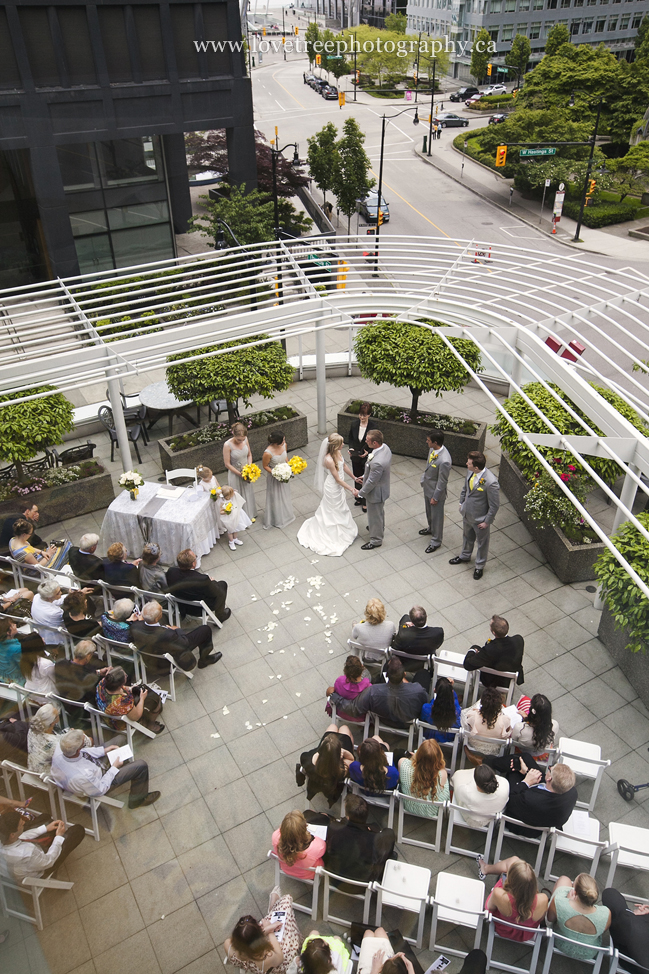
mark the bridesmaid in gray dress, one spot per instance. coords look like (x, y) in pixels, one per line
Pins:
(279, 509)
(236, 454)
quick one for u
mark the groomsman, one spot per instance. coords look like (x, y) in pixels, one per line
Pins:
(434, 480)
(479, 503)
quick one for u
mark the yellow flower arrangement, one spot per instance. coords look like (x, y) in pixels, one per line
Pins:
(297, 465)
(227, 508)
(251, 472)
(214, 493)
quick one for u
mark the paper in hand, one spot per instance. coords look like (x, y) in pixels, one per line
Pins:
(121, 754)
(279, 916)
(439, 965)
(319, 831)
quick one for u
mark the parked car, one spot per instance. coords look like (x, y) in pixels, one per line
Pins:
(472, 100)
(463, 93)
(449, 120)
(318, 84)
(369, 208)
(329, 93)
(495, 90)
(499, 117)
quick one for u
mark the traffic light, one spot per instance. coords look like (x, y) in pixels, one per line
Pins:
(341, 98)
(501, 155)
(591, 189)
(379, 219)
(489, 70)
(283, 39)
(358, 77)
(297, 31)
(263, 30)
(318, 59)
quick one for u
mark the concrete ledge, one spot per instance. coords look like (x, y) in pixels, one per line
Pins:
(635, 666)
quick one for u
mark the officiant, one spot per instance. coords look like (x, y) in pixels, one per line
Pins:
(358, 449)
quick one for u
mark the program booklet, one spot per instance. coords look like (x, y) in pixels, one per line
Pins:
(121, 754)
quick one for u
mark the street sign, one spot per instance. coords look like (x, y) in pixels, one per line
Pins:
(558, 204)
(545, 151)
(319, 261)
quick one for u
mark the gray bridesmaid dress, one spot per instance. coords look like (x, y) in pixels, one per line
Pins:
(279, 509)
(238, 459)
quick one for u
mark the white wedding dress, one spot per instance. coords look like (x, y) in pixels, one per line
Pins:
(332, 529)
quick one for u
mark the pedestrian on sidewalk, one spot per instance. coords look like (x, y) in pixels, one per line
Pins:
(438, 132)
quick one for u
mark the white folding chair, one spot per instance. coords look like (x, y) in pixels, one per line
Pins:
(477, 740)
(83, 801)
(24, 777)
(457, 734)
(365, 897)
(338, 719)
(585, 759)
(114, 651)
(507, 691)
(451, 665)
(450, 891)
(367, 656)
(384, 728)
(313, 883)
(425, 807)
(103, 722)
(30, 886)
(541, 832)
(622, 964)
(420, 662)
(628, 846)
(536, 936)
(75, 710)
(555, 940)
(456, 819)
(188, 473)
(580, 837)
(380, 799)
(171, 675)
(405, 887)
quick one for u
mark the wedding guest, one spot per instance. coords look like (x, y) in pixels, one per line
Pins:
(501, 652)
(47, 610)
(253, 945)
(374, 631)
(325, 767)
(397, 702)
(355, 849)
(377, 956)
(575, 913)
(157, 640)
(42, 739)
(372, 770)
(298, 851)
(349, 685)
(10, 653)
(629, 929)
(116, 623)
(443, 712)
(24, 551)
(424, 776)
(84, 562)
(236, 455)
(36, 666)
(185, 582)
(152, 575)
(77, 678)
(322, 955)
(76, 618)
(538, 731)
(416, 638)
(26, 855)
(207, 480)
(279, 508)
(17, 602)
(116, 699)
(358, 449)
(119, 571)
(480, 790)
(486, 718)
(235, 519)
(546, 807)
(13, 740)
(30, 513)
(515, 897)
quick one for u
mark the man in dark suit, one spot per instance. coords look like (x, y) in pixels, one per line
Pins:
(396, 702)
(537, 796)
(84, 562)
(415, 637)
(629, 929)
(355, 849)
(77, 678)
(502, 652)
(152, 638)
(185, 582)
(7, 530)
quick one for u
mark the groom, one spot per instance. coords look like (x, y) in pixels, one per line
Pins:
(375, 488)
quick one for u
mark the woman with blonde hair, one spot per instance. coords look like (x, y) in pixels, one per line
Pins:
(332, 529)
(515, 897)
(424, 776)
(374, 631)
(236, 454)
(574, 911)
(298, 851)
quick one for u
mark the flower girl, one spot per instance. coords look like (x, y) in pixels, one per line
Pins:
(233, 516)
(206, 480)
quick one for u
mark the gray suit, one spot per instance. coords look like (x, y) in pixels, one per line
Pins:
(375, 490)
(476, 506)
(434, 480)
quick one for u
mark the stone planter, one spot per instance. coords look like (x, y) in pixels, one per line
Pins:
(211, 454)
(570, 563)
(66, 500)
(407, 440)
(635, 666)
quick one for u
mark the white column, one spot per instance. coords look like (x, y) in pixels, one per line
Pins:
(120, 423)
(627, 497)
(321, 378)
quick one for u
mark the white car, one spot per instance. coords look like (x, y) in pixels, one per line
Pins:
(495, 90)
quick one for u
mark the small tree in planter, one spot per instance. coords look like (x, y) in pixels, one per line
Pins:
(624, 600)
(409, 355)
(27, 427)
(261, 369)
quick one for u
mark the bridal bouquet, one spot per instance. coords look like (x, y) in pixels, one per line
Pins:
(297, 465)
(250, 472)
(282, 472)
(131, 481)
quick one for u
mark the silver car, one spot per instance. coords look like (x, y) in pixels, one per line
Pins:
(368, 208)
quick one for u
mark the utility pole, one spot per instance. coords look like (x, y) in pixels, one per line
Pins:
(417, 67)
(588, 168)
(432, 107)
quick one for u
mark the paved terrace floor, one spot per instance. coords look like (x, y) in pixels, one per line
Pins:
(161, 891)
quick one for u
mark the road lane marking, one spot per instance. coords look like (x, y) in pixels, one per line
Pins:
(287, 91)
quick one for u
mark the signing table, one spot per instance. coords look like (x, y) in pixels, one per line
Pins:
(188, 521)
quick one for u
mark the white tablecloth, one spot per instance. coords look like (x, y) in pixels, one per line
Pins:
(188, 522)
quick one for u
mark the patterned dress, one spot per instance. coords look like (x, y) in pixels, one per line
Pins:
(291, 942)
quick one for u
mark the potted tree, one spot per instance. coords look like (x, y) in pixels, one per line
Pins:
(234, 375)
(411, 356)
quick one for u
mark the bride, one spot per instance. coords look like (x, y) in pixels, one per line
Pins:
(333, 528)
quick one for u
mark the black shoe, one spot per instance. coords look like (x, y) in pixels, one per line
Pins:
(300, 777)
(358, 502)
(425, 531)
(457, 561)
(432, 547)
(148, 800)
(369, 546)
(226, 615)
(156, 727)
(477, 573)
(202, 663)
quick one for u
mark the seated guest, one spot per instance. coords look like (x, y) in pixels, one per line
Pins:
(47, 610)
(84, 562)
(298, 851)
(7, 530)
(75, 770)
(396, 702)
(75, 616)
(372, 770)
(17, 602)
(116, 623)
(325, 767)
(26, 855)
(486, 718)
(629, 929)
(253, 945)
(415, 637)
(77, 678)
(355, 849)
(480, 790)
(424, 776)
(377, 956)
(13, 740)
(152, 575)
(185, 582)
(42, 739)
(119, 571)
(349, 685)
(502, 652)
(574, 913)
(116, 699)
(10, 653)
(375, 631)
(36, 666)
(538, 730)
(321, 955)
(22, 549)
(515, 898)
(547, 806)
(156, 640)
(443, 712)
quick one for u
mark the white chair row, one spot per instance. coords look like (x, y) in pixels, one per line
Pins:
(11, 893)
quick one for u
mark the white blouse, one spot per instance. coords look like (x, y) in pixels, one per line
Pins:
(42, 678)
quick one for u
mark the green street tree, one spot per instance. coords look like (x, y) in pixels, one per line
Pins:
(480, 55)
(631, 173)
(353, 181)
(519, 54)
(251, 217)
(262, 370)
(28, 427)
(397, 23)
(557, 36)
(322, 158)
(643, 32)
(548, 125)
(411, 356)
(328, 51)
(339, 67)
(311, 35)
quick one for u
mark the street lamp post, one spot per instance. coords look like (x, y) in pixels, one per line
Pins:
(355, 70)
(386, 118)
(417, 68)
(296, 162)
(432, 107)
(589, 165)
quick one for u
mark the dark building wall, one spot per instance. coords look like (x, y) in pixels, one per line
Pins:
(88, 73)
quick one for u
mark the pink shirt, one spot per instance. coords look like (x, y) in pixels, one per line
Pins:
(311, 857)
(348, 689)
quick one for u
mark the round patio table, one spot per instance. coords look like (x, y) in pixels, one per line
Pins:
(159, 399)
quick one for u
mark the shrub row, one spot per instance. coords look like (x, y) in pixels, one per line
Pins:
(601, 214)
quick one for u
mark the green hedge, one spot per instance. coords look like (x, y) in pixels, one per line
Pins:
(474, 151)
(493, 101)
(601, 214)
(625, 601)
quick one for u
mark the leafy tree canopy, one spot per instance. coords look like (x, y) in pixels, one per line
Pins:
(519, 53)
(557, 37)
(631, 173)
(28, 427)
(401, 54)
(250, 216)
(208, 151)
(396, 23)
(311, 35)
(540, 125)
(322, 157)
(480, 55)
(352, 181)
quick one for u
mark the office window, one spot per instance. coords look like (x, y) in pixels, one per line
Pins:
(612, 24)
(624, 21)
(78, 166)
(537, 4)
(574, 27)
(90, 221)
(113, 35)
(149, 38)
(493, 34)
(185, 33)
(510, 5)
(9, 74)
(523, 5)
(508, 31)
(637, 20)
(142, 244)
(496, 6)
(588, 27)
(600, 26)
(137, 215)
(76, 45)
(552, 4)
(521, 29)
(215, 27)
(94, 253)
(535, 31)
(566, 3)
(40, 49)
(127, 161)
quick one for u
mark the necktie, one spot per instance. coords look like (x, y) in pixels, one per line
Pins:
(94, 760)
(471, 482)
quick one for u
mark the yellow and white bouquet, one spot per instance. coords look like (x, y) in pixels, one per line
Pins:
(297, 465)
(250, 472)
(131, 481)
(227, 508)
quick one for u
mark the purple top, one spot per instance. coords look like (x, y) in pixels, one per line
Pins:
(349, 690)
